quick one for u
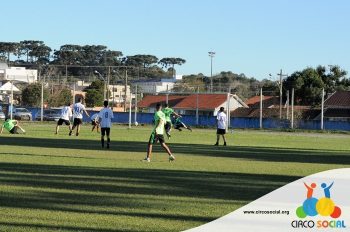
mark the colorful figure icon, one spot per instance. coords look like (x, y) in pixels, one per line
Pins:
(327, 192)
(313, 206)
(310, 189)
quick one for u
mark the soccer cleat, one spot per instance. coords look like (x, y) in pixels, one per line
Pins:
(224, 143)
(77, 134)
(107, 145)
(216, 144)
(70, 133)
(146, 160)
(171, 158)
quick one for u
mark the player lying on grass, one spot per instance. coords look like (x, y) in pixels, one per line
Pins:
(178, 124)
(66, 114)
(12, 126)
(168, 112)
(157, 135)
(95, 123)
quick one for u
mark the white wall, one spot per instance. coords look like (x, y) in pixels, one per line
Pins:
(20, 74)
(155, 87)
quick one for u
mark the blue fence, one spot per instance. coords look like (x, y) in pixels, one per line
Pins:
(268, 123)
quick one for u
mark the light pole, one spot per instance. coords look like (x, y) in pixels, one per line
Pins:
(104, 81)
(211, 55)
(280, 86)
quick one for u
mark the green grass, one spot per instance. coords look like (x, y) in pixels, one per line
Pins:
(61, 183)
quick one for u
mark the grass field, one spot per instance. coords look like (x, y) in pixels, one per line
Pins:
(61, 183)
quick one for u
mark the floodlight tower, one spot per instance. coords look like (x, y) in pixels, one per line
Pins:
(211, 55)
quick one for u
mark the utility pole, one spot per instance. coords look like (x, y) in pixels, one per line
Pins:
(281, 89)
(287, 104)
(211, 55)
(261, 106)
(108, 78)
(126, 87)
(292, 121)
(322, 109)
(136, 104)
(197, 103)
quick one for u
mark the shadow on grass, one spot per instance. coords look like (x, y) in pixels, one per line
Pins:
(44, 227)
(244, 152)
(128, 192)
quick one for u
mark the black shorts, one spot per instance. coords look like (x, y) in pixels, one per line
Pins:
(14, 130)
(105, 130)
(178, 125)
(77, 121)
(221, 131)
(94, 123)
(61, 121)
(156, 138)
(167, 126)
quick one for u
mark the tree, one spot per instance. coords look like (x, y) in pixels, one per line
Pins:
(94, 94)
(93, 98)
(8, 48)
(307, 85)
(31, 95)
(28, 48)
(61, 98)
(171, 62)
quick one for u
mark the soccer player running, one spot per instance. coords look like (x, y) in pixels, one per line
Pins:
(12, 126)
(78, 110)
(157, 135)
(168, 112)
(66, 114)
(105, 116)
(221, 126)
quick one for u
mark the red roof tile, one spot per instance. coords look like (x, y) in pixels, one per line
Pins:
(339, 99)
(205, 101)
(268, 101)
(152, 100)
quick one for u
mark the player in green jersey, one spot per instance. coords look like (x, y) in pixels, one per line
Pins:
(12, 126)
(168, 112)
(157, 134)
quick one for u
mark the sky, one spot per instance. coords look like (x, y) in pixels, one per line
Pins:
(254, 37)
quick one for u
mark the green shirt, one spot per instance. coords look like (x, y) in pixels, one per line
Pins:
(8, 125)
(159, 119)
(168, 112)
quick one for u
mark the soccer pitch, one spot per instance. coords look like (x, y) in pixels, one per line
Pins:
(59, 183)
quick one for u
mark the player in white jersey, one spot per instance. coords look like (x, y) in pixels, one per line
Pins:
(221, 126)
(95, 122)
(66, 114)
(78, 110)
(106, 116)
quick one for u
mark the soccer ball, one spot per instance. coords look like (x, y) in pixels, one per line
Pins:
(136, 123)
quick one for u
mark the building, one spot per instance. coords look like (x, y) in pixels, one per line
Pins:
(17, 74)
(207, 104)
(116, 92)
(161, 86)
(337, 106)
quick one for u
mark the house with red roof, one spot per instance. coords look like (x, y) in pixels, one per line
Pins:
(337, 106)
(268, 102)
(207, 104)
